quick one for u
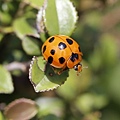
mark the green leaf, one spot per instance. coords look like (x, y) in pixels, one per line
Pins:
(44, 80)
(23, 26)
(31, 45)
(41, 63)
(35, 74)
(6, 85)
(60, 17)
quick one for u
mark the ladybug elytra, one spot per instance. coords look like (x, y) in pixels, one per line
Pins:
(61, 51)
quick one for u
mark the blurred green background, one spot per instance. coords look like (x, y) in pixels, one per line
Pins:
(95, 93)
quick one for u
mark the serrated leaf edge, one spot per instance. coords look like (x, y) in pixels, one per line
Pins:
(75, 15)
(40, 18)
(30, 69)
(50, 89)
(53, 88)
(30, 74)
(75, 20)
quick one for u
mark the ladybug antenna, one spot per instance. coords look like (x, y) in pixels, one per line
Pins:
(85, 67)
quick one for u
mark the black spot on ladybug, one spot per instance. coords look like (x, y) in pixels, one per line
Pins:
(62, 46)
(73, 57)
(61, 60)
(51, 39)
(70, 42)
(50, 59)
(79, 49)
(44, 48)
(52, 51)
(76, 56)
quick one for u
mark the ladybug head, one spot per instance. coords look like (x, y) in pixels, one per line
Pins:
(78, 67)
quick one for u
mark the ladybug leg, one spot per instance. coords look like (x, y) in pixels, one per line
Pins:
(59, 70)
(63, 69)
(56, 70)
(43, 58)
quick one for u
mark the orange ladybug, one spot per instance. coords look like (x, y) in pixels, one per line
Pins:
(61, 51)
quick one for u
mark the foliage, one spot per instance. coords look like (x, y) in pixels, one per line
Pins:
(94, 94)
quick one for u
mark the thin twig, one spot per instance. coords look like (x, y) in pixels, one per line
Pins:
(17, 66)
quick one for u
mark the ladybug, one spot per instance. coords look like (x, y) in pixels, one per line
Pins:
(62, 52)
